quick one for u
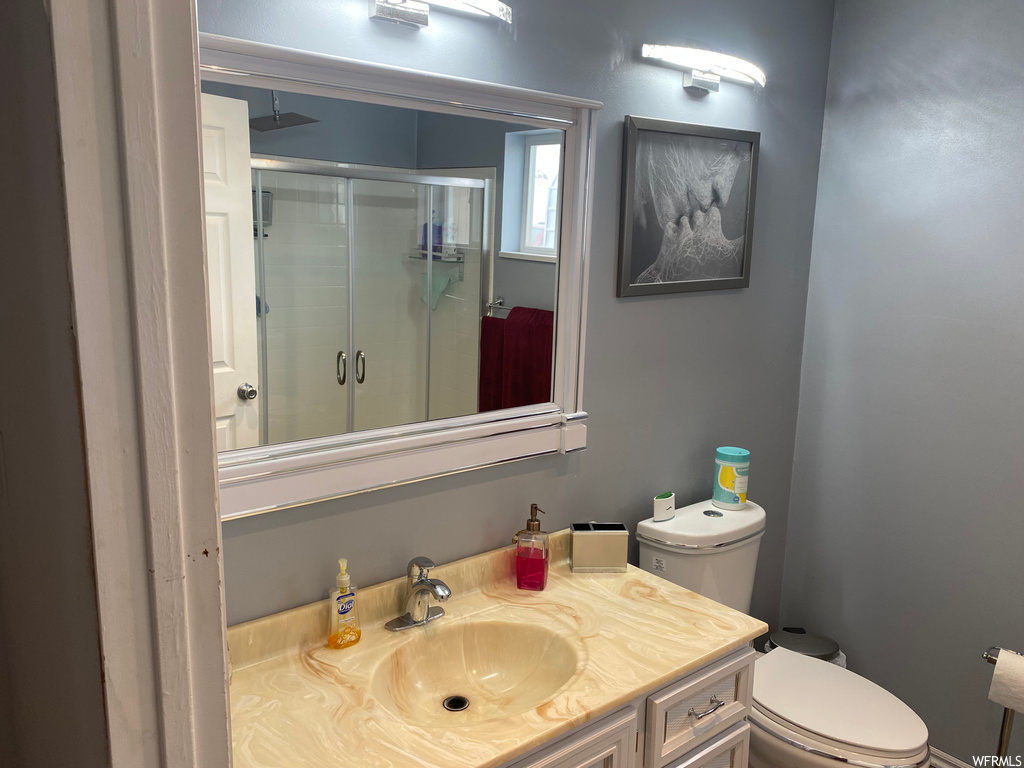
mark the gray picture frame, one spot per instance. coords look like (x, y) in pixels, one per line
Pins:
(682, 203)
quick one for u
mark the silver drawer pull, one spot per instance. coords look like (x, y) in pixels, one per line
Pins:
(715, 706)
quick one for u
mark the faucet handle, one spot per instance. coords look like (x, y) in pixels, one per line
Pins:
(419, 569)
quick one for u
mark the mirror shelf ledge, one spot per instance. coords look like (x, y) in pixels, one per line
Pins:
(280, 488)
(267, 459)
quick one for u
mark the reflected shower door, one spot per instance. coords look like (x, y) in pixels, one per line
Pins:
(454, 356)
(390, 315)
(303, 303)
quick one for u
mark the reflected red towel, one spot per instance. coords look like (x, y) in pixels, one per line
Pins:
(529, 340)
(492, 350)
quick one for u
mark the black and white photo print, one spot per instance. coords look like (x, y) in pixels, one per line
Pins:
(687, 207)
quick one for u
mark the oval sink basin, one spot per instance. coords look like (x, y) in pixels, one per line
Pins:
(501, 668)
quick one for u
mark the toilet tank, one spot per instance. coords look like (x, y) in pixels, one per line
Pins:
(709, 550)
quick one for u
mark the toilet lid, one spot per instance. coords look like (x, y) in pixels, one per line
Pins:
(835, 703)
(703, 526)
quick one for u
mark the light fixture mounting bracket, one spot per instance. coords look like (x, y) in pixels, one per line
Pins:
(408, 13)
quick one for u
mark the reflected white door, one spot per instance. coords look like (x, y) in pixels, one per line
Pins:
(231, 273)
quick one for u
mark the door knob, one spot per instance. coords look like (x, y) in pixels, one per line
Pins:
(247, 392)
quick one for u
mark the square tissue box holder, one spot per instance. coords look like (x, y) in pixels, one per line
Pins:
(599, 547)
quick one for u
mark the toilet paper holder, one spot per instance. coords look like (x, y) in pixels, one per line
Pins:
(992, 656)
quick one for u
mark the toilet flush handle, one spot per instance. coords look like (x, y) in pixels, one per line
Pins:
(715, 706)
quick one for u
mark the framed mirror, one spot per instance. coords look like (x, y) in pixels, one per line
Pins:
(397, 272)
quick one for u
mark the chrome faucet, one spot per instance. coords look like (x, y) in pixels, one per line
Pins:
(419, 611)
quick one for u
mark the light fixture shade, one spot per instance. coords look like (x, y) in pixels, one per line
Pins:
(493, 8)
(721, 64)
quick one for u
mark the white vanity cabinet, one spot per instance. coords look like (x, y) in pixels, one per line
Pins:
(694, 722)
(608, 743)
(684, 715)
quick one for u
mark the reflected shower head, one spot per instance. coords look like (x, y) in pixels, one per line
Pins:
(277, 120)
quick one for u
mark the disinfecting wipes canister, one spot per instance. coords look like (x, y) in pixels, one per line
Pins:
(731, 468)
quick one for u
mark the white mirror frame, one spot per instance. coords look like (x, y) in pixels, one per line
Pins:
(266, 478)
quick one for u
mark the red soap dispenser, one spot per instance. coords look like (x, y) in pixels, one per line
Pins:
(532, 554)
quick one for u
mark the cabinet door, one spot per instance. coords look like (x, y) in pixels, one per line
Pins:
(611, 743)
(687, 713)
(730, 750)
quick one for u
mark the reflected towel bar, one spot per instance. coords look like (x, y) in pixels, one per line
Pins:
(991, 656)
(498, 303)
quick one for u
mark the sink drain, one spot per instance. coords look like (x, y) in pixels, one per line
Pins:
(455, 703)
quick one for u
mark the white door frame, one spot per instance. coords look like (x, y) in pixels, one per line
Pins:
(127, 74)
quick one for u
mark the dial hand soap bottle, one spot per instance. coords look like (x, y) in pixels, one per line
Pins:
(532, 554)
(343, 630)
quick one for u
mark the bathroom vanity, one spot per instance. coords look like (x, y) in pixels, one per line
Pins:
(609, 670)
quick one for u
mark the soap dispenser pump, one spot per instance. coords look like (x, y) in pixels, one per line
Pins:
(343, 626)
(532, 554)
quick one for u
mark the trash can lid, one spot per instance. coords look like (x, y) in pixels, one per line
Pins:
(801, 641)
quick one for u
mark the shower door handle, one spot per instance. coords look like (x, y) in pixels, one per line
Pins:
(360, 367)
(341, 368)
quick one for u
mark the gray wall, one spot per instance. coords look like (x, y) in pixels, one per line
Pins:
(51, 696)
(348, 131)
(906, 536)
(667, 378)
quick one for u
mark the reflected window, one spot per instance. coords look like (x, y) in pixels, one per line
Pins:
(530, 195)
(540, 194)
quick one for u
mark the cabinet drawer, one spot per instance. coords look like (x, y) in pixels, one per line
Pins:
(609, 743)
(687, 713)
(730, 750)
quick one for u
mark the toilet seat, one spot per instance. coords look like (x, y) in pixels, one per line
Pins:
(834, 713)
(789, 748)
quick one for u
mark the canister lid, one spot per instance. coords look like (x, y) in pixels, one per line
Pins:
(704, 526)
(799, 640)
(736, 455)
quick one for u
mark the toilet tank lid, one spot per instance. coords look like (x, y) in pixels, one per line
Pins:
(836, 704)
(704, 526)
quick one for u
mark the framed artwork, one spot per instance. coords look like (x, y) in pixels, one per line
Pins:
(687, 207)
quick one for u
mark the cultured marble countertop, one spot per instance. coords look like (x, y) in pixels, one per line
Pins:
(297, 703)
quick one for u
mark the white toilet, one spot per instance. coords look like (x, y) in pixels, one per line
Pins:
(806, 713)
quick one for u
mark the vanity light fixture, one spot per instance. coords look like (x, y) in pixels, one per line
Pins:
(493, 8)
(707, 68)
(408, 13)
(415, 13)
